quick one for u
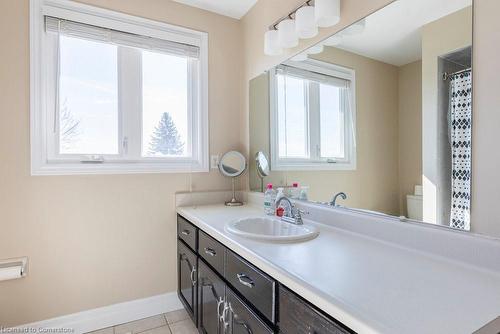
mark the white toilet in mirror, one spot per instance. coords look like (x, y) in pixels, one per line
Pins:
(414, 204)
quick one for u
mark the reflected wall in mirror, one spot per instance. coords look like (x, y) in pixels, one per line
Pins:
(381, 111)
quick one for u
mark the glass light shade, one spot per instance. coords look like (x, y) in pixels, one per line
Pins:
(327, 12)
(355, 28)
(286, 34)
(318, 48)
(333, 40)
(300, 57)
(271, 43)
(305, 22)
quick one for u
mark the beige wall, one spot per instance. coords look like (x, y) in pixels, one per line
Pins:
(99, 240)
(374, 184)
(410, 130)
(438, 38)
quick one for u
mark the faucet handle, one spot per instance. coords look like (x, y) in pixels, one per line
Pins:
(301, 212)
(298, 215)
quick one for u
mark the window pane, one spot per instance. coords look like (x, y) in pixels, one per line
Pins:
(331, 122)
(165, 105)
(292, 117)
(88, 97)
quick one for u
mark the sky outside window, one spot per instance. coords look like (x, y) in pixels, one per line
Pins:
(88, 97)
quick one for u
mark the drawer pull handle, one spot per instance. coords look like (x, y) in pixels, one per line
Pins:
(245, 280)
(210, 251)
(186, 232)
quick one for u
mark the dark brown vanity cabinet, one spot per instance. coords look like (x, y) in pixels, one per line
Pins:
(225, 294)
(187, 269)
(254, 285)
(297, 316)
(211, 297)
(241, 319)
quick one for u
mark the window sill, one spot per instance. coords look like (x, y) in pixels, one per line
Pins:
(107, 168)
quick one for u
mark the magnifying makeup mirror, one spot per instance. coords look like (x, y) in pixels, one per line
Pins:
(233, 164)
(262, 168)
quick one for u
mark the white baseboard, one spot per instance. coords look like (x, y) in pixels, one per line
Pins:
(107, 316)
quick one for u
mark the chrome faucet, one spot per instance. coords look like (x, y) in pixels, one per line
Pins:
(293, 215)
(334, 200)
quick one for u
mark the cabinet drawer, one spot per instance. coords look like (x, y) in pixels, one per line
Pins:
(242, 319)
(212, 251)
(296, 316)
(187, 232)
(254, 285)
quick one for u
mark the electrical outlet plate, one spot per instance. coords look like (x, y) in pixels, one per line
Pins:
(21, 261)
(214, 161)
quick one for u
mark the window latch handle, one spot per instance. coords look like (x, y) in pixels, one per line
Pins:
(125, 145)
(92, 159)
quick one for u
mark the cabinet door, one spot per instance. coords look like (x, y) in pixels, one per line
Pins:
(242, 319)
(210, 300)
(187, 271)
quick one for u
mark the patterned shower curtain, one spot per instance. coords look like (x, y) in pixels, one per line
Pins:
(460, 133)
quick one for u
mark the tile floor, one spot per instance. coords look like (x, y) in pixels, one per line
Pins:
(176, 322)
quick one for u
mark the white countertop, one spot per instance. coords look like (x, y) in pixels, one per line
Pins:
(371, 286)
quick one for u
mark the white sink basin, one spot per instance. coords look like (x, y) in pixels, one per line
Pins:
(271, 229)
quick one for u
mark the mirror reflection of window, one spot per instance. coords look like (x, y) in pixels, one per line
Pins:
(314, 116)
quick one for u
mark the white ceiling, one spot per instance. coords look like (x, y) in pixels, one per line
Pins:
(392, 35)
(232, 8)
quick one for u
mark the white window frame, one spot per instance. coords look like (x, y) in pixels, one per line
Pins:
(297, 164)
(45, 163)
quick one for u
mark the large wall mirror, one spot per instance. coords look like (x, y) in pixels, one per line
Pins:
(376, 117)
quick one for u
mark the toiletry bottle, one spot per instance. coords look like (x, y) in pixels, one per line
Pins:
(281, 193)
(295, 191)
(269, 200)
(303, 193)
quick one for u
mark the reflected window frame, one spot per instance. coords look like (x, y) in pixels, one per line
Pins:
(316, 163)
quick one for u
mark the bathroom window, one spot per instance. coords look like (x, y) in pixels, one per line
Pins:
(113, 93)
(312, 117)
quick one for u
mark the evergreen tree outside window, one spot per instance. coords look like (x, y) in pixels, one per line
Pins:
(165, 139)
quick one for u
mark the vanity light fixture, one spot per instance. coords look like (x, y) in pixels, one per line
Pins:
(327, 12)
(304, 20)
(306, 26)
(271, 43)
(287, 37)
